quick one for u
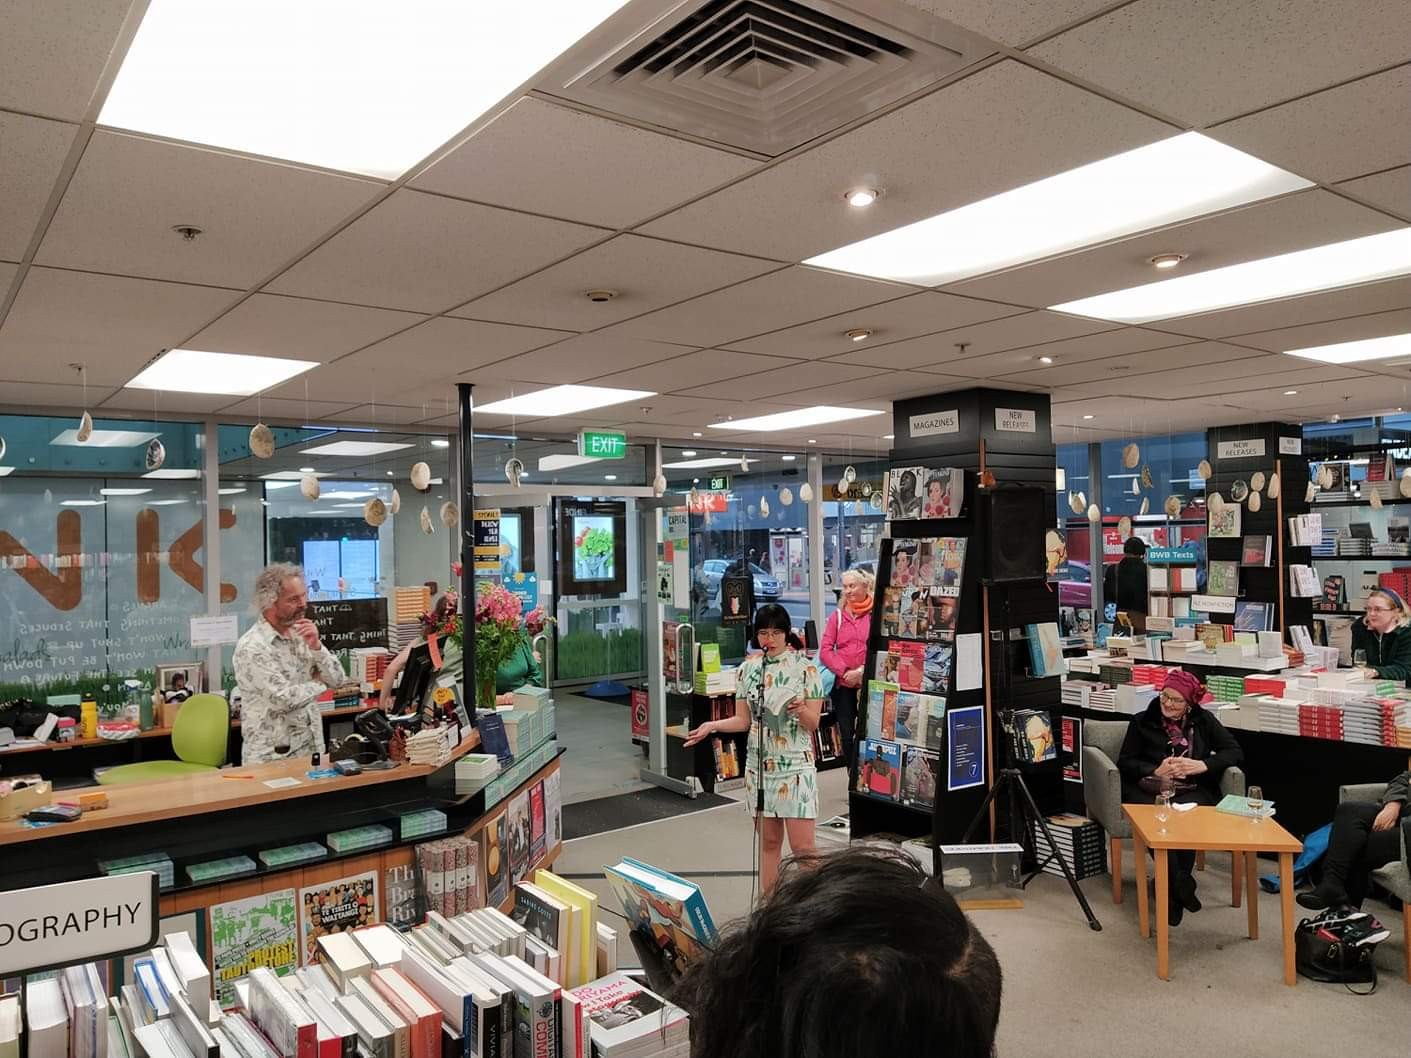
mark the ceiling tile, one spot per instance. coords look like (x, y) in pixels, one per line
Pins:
(128, 192)
(31, 154)
(1354, 328)
(1082, 350)
(780, 382)
(695, 412)
(1203, 61)
(1390, 190)
(113, 324)
(1191, 359)
(7, 276)
(381, 414)
(165, 405)
(1313, 308)
(1356, 128)
(1221, 378)
(780, 299)
(425, 253)
(647, 274)
(934, 351)
(1016, 126)
(863, 392)
(34, 395)
(301, 328)
(1295, 222)
(907, 317)
(52, 53)
(693, 368)
(273, 409)
(1012, 22)
(549, 159)
(584, 357)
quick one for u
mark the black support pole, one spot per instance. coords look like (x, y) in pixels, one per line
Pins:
(466, 472)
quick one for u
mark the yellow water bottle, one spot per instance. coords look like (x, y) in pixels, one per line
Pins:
(88, 719)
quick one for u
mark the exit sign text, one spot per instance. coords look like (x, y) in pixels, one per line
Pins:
(602, 444)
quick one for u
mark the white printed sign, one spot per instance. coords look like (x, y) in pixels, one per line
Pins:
(1290, 446)
(215, 631)
(1213, 603)
(73, 922)
(1016, 420)
(935, 422)
(1239, 449)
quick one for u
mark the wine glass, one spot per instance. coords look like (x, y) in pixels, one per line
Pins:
(1255, 797)
(1163, 809)
(1359, 658)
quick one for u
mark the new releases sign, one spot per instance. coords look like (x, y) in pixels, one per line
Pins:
(933, 423)
(1240, 449)
(52, 926)
(1016, 420)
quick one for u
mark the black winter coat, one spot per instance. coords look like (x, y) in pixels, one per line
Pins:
(1146, 746)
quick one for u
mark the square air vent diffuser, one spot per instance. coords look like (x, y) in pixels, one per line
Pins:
(768, 75)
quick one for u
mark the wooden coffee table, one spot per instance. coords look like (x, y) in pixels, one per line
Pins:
(1203, 828)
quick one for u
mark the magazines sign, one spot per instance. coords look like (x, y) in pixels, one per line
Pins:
(935, 423)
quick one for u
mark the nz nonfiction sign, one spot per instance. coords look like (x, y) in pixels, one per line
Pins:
(52, 926)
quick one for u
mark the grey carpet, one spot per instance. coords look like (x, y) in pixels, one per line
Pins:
(599, 816)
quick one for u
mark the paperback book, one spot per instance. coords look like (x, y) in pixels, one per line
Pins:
(669, 912)
(1224, 524)
(1222, 578)
(1257, 551)
(1253, 616)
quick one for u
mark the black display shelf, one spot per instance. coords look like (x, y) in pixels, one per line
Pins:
(1406, 559)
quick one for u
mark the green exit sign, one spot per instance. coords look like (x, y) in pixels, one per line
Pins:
(719, 483)
(602, 444)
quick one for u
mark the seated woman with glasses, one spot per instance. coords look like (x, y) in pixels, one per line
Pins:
(1178, 746)
(1381, 641)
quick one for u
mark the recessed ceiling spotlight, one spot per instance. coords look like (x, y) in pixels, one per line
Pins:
(609, 477)
(440, 442)
(689, 453)
(790, 459)
(306, 470)
(1045, 359)
(391, 474)
(812, 441)
(858, 334)
(862, 197)
(598, 297)
(1167, 260)
(1290, 393)
(695, 433)
(889, 437)
(1087, 416)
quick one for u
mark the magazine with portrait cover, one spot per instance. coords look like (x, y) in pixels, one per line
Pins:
(924, 492)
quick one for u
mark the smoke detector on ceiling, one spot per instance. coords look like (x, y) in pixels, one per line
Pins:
(598, 297)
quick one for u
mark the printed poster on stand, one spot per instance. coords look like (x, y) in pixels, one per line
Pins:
(257, 931)
(334, 907)
(966, 759)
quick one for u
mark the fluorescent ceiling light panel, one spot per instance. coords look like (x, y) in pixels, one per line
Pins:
(355, 448)
(357, 85)
(105, 439)
(348, 494)
(165, 503)
(1353, 352)
(82, 503)
(123, 492)
(223, 374)
(789, 420)
(5, 472)
(230, 492)
(562, 400)
(702, 464)
(1150, 187)
(1339, 264)
(173, 474)
(564, 461)
(441, 442)
(294, 475)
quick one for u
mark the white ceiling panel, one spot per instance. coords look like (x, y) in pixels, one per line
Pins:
(694, 368)
(780, 383)
(1295, 222)
(1012, 22)
(1328, 393)
(584, 357)
(695, 412)
(934, 351)
(165, 405)
(111, 323)
(128, 192)
(549, 159)
(272, 409)
(1356, 128)
(426, 253)
(647, 274)
(31, 154)
(52, 53)
(780, 299)
(1188, 359)
(1354, 328)
(1390, 190)
(33, 396)
(1090, 347)
(301, 328)
(1203, 61)
(866, 391)
(1215, 380)
(444, 347)
(1016, 125)
(7, 276)
(380, 415)
(907, 317)
(1314, 308)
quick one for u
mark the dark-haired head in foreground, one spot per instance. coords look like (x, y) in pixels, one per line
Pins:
(862, 957)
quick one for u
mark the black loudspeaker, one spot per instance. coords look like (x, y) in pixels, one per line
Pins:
(810, 635)
(1013, 520)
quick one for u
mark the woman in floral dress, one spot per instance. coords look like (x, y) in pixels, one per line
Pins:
(782, 688)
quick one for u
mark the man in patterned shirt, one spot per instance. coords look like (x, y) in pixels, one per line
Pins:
(282, 667)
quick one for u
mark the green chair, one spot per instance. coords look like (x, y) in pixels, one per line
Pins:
(199, 738)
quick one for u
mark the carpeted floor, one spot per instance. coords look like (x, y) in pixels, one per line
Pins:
(587, 818)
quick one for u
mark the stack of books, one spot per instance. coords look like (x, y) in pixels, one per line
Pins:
(1081, 844)
(1225, 688)
(1077, 693)
(474, 770)
(1362, 722)
(157, 862)
(1320, 721)
(1152, 675)
(356, 838)
(408, 604)
(449, 871)
(432, 745)
(1279, 715)
(1102, 698)
(366, 666)
(226, 867)
(287, 855)
(421, 823)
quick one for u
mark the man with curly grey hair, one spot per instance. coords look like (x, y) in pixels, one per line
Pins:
(282, 667)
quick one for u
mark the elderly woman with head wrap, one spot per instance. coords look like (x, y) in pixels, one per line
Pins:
(1178, 746)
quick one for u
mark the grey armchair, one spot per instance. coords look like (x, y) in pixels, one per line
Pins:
(1102, 790)
(1394, 877)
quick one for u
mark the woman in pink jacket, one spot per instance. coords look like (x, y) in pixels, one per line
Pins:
(844, 651)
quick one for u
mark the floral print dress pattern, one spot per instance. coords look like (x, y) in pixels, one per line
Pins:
(790, 776)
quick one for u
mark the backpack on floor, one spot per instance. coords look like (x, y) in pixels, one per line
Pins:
(1339, 947)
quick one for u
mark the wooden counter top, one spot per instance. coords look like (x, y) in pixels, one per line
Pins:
(217, 791)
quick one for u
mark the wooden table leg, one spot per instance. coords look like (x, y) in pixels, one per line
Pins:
(1251, 881)
(1115, 858)
(1163, 916)
(1236, 877)
(1143, 902)
(1286, 907)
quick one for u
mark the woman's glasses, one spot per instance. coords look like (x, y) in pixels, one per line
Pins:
(1379, 609)
(1172, 698)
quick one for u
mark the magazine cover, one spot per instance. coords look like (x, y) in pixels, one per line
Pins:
(924, 492)
(935, 678)
(928, 563)
(933, 726)
(879, 769)
(1225, 523)
(1222, 578)
(909, 718)
(333, 907)
(536, 822)
(878, 693)
(918, 777)
(257, 931)
(1253, 616)
(553, 808)
(520, 837)
(911, 662)
(497, 861)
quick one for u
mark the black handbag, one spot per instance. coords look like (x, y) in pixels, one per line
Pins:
(1338, 947)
